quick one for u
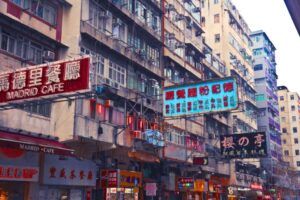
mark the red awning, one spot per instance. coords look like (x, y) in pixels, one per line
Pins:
(32, 143)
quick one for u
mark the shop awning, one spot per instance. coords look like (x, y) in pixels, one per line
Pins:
(32, 143)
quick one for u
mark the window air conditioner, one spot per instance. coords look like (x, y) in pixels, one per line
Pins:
(48, 55)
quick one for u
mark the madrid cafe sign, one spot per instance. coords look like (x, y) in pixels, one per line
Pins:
(47, 79)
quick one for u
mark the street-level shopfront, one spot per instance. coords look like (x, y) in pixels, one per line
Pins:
(35, 167)
(253, 192)
(121, 184)
(217, 187)
(68, 178)
(191, 189)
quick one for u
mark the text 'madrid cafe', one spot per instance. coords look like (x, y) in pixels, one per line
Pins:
(33, 166)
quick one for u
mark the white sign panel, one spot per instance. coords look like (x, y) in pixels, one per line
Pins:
(69, 171)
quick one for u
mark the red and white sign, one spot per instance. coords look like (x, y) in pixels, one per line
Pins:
(15, 173)
(46, 79)
(256, 186)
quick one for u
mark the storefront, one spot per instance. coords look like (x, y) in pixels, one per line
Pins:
(67, 178)
(190, 188)
(18, 171)
(21, 163)
(121, 184)
(217, 187)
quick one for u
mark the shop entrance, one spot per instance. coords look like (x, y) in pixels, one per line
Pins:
(12, 190)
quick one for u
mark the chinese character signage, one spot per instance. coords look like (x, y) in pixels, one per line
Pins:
(109, 178)
(16, 173)
(120, 178)
(46, 79)
(247, 145)
(204, 97)
(69, 171)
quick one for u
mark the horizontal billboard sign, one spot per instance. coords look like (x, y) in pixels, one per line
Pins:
(246, 145)
(203, 97)
(46, 79)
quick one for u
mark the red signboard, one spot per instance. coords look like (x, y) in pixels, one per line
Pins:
(200, 160)
(14, 173)
(256, 186)
(109, 178)
(46, 79)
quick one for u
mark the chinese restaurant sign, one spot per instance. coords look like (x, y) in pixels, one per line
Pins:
(204, 97)
(46, 79)
(69, 171)
(247, 145)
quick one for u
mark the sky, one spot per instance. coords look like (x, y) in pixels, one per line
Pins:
(273, 17)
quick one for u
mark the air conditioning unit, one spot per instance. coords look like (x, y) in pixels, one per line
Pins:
(189, 25)
(117, 22)
(242, 50)
(170, 7)
(196, 10)
(232, 57)
(48, 55)
(179, 45)
(211, 136)
(179, 17)
(171, 36)
(105, 14)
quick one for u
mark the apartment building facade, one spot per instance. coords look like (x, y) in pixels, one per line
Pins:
(289, 121)
(268, 110)
(228, 34)
(136, 48)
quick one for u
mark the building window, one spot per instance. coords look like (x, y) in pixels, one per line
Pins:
(282, 108)
(41, 9)
(284, 130)
(296, 140)
(260, 97)
(21, 47)
(216, 1)
(295, 130)
(117, 73)
(298, 163)
(217, 38)
(258, 67)
(284, 141)
(293, 108)
(203, 21)
(283, 119)
(217, 18)
(294, 118)
(281, 98)
(39, 109)
(286, 152)
(292, 97)
(297, 152)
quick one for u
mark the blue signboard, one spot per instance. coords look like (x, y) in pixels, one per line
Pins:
(154, 137)
(203, 97)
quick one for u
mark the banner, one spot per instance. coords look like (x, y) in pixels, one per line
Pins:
(44, 80)
(204, 97)
(247, 145)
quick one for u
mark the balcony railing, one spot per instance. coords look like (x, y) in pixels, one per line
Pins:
(119, 47)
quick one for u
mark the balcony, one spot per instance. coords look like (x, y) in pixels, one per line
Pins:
(180, 61)
(119, 47)
(155, 33)
(29, 20)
